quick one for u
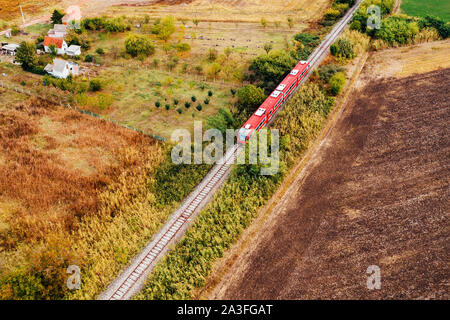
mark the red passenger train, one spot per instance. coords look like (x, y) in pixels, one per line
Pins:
(267, 110)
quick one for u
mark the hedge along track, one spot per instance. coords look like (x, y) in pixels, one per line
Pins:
(132, 279)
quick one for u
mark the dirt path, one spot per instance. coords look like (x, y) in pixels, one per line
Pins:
(375, 194)
(397, 6)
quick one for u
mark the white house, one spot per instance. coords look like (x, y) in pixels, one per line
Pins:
(58, 31)
(62, 68)
(73, 50)
(60, 44)
(10, 49)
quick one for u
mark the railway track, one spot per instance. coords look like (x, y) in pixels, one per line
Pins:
(132, 280)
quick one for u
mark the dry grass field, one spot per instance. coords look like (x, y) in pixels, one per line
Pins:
(231, 10)
(375, 193)
(65, 179)
(402, 62)
(9, 9)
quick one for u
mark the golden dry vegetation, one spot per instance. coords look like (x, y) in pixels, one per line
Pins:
(403, 62)
(72, 188)
(9, 9)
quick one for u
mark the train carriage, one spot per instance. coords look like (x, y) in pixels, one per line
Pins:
(262, 116)
(271, 105)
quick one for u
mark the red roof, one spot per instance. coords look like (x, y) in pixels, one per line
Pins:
(58, 42)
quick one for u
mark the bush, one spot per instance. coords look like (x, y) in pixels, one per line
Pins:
(100, 51)
(361, 15)
(179, 110)
(356, 25)
(183, 47)
(95, 85)
(199, 107)
(26, 55)
(115, 25)
(66, 84)
(88, 58)
(443, 28)
(337, 83)
(212, 54)
(269, 69)
(137, 45)
(233, 92)
(397, 30)
(164, 28)
(15, 30)
(329, 70)
(307, 43)
(222, 121)
(108, 24)
(250, 98)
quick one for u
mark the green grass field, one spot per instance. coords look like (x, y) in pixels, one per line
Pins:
(421, 8)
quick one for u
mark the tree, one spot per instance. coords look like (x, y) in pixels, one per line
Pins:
(269, 69)
(139, 45)
(212, 54)
(337, 83)
(155, 63)
(196, 22)
(250, 98)
(53, 50)
(228, 51)
(199, 69)
(57, 17)
(15, 30)
(343, 48)
(290, 22)
(214, 69)
(268, 47)
(95, 85)
(26, 55)
(222, 121)
(164, 28)
(264, 22)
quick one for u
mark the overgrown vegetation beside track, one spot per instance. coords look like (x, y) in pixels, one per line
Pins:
(236, 204)
(185, 269)
(116, 200)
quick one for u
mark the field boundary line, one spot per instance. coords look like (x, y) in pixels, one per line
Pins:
(295, 174)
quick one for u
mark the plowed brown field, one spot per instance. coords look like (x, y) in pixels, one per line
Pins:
(376, 193)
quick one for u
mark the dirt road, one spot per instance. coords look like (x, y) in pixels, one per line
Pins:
(376, 194)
